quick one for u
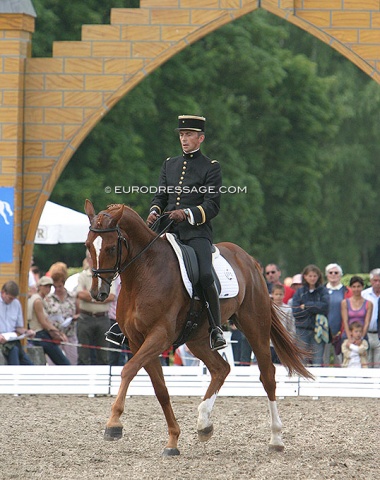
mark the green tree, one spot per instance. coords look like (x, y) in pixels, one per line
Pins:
(349, 186)
(287, 117)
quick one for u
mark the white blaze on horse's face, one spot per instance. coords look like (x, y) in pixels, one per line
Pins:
(98, 248)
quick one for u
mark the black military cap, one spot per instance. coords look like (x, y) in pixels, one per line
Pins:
(191, 122)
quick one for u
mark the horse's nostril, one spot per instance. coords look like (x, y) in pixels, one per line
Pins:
(102, 296)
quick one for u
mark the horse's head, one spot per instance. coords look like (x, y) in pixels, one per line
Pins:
(105, 245)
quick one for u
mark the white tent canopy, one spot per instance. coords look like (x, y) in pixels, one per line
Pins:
(61, 225)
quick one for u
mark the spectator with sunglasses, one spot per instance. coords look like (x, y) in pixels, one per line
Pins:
(337, 292)
(272, 276)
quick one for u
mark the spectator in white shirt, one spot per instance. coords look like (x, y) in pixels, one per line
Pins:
(373, 295)
(12, 325)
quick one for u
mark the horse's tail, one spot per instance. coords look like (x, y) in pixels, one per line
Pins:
(290, 354)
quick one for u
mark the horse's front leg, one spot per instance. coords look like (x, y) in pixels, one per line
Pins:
(114, 427)
(155, 372)
(219, 369)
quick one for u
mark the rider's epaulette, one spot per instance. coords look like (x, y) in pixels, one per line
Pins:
(214, 161)
(168, 159)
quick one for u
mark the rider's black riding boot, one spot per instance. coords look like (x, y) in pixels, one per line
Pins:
(217, 340)
(115, 335)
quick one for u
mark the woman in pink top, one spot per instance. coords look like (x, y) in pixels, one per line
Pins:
(356, 308)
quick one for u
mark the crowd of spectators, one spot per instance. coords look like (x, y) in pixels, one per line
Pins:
(322, 311)
(337, 324)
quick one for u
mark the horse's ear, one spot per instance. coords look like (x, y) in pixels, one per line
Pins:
(117, 216)
(89, 209)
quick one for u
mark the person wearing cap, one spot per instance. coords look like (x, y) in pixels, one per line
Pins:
(39, 321)
(296, 284)
(189, 192)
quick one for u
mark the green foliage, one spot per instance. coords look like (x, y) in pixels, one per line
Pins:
(73, 270)
(347, 277)
(288, 118)
(60, 21)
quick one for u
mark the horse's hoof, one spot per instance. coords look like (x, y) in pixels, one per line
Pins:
(170, 452)
(276, 448)
(113, 433)
(206, 433)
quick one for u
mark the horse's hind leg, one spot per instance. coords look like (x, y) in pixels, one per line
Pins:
(259, 340)
(276, 442)
(267, 378)
(155, 372)
(219, 369)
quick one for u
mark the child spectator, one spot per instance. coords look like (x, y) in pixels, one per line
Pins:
(278, 294)
(355, 348)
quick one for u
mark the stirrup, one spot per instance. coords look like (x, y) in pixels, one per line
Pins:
(115, 338)
(217, 340)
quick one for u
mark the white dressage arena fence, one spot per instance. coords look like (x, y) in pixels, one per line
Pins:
(186, 381)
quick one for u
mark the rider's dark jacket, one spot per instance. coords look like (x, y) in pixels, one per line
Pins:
(190, 181)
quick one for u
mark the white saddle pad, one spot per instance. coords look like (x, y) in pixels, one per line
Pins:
(227, 278)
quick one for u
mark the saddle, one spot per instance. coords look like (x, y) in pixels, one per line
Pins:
(192, 267)
(190, 276)
(224, 275)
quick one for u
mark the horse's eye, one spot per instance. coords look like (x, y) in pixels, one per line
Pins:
(111, 250)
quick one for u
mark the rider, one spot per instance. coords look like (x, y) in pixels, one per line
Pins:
(189, 192)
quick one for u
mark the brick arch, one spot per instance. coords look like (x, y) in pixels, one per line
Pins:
(62, 98)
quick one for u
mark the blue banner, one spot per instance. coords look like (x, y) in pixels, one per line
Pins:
(6, 224)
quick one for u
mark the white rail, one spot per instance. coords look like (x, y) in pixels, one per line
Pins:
(185, 381)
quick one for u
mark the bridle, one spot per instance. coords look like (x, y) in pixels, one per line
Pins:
(118, 268)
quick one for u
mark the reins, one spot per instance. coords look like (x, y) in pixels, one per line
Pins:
(148, 246)
(119, 269)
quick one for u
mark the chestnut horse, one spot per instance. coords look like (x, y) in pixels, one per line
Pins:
(152, 310)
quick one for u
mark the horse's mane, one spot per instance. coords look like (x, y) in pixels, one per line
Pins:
(115, 206)
(126, 210)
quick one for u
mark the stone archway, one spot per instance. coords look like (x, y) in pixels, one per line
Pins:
(49, 105)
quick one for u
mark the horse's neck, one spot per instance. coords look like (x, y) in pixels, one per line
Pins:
(155, 260)
(139, 236)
